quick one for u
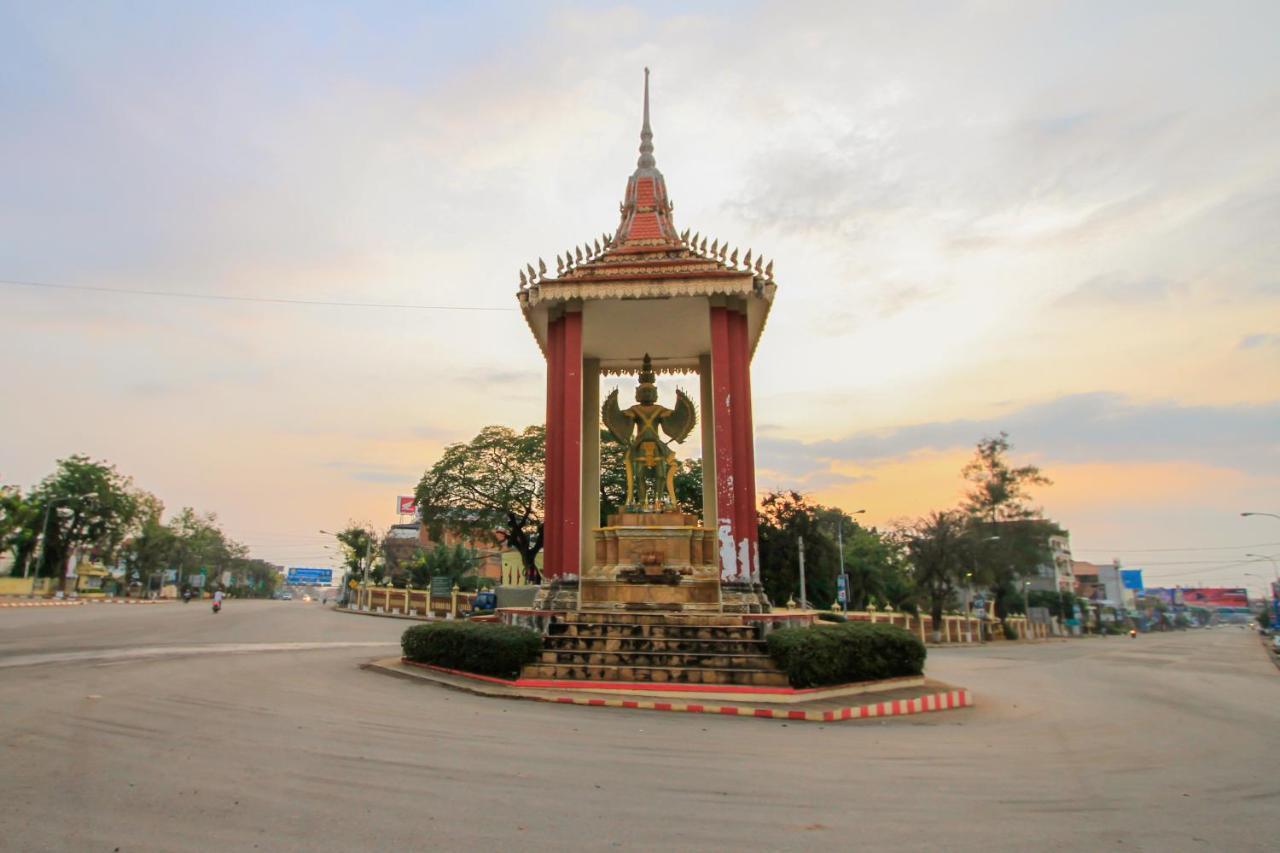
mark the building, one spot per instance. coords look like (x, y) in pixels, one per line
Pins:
(1056, 575)
(404, 541)
(1087, 584)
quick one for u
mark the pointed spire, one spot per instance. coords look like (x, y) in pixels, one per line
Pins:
(646, 160)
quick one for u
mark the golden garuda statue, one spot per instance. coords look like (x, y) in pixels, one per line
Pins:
(637, 429)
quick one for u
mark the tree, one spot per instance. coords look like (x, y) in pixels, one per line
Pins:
(1011, 536)
(360, 546)
(939, 548)
(785, 518)
(492, 483)
(19, 526)
(874, 563)
(83, 504)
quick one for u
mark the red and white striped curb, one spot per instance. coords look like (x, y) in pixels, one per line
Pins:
(77, 602)
(891, 708)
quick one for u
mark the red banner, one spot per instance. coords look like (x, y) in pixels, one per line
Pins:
(406, 505)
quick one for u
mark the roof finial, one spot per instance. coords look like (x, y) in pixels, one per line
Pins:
(646, 160)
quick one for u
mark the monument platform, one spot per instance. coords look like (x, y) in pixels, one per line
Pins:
(868, 700)
(652, 561)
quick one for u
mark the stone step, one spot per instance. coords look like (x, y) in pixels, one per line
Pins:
(668, 659)
(663, 632)
(563, 643)
(655, 675)
(614, 617)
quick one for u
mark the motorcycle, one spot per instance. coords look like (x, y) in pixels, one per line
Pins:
(217, 606)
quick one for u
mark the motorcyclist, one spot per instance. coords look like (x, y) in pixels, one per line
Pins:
(217, 601)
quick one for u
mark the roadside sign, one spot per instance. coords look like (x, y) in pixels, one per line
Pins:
(842, 588)
(980, 603)
(309, 577)
(441, 586)
(406, 505)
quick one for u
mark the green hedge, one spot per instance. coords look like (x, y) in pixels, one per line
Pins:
(842, 653)
(485, 648)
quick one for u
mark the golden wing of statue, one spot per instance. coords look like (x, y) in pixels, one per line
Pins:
(682, 419)
(618, 424)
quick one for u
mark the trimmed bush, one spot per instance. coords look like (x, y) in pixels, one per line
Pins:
(485, 648)
(839, 654)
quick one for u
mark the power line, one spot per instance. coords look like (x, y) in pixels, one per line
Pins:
(221, 297)
(1154, 550)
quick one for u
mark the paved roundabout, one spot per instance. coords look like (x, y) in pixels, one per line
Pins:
(260, 730)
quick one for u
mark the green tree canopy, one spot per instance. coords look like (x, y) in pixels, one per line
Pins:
(492, 483)
(84, 504)
(1010, 535)
(940, 551)
(786, 517)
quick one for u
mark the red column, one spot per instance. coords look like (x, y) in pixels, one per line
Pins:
(745, 479)
(743, 469)
(723, 406)
(570, 480)
(555, 406)
(562, 545)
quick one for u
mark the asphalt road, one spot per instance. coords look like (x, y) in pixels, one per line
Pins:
(169, 728)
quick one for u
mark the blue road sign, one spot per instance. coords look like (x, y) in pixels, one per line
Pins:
(310, 577)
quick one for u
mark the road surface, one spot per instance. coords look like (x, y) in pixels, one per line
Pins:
(168, 728)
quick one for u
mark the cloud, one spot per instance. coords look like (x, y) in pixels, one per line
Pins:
(1258, 341)
(1078, 428)
(1121, 289)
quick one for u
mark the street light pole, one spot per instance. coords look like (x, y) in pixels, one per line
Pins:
(1026, 609)
(840, 544)
(804, 601)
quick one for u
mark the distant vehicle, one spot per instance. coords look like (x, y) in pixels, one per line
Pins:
(286, 596)
(306, 598)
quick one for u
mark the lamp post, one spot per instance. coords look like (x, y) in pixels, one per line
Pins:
(968, 607)
(1026, 608)
(840, 545)
(804, 601)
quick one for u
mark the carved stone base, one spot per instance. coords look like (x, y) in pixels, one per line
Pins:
(652, 561)
(557, 594)
(739, 597)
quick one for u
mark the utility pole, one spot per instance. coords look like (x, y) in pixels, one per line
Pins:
(844, 605)
(804, 601)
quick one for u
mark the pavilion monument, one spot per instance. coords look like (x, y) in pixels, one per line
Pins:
(642, 301)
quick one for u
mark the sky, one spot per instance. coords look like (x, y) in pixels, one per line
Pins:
(1058, 220)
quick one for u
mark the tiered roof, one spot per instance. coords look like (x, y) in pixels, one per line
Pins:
(646, 257)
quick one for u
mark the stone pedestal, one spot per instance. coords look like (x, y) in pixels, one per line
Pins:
(652, 561)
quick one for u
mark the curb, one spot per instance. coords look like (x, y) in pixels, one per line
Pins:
(944, 700)
(81, 601)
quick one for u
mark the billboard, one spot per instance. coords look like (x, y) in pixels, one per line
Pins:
(1131, 579)
(1216, 596)
(1165, 594)
(406, 505)
(309, 577)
